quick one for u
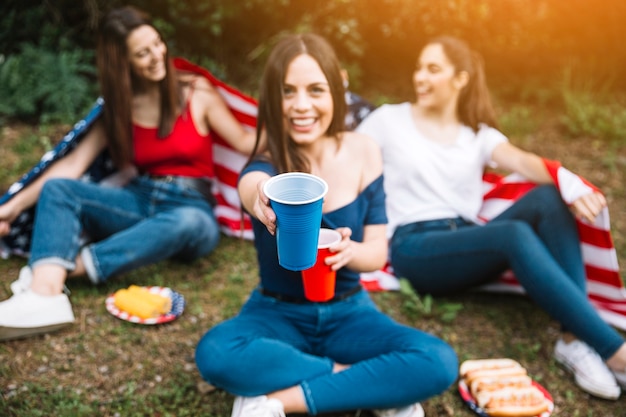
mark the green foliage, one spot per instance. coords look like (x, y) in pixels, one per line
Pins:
(48, 23)
(587, 114)
(595, 110)
(380, 38)
(415, 306)
(38, 83)
(518, 120)
(526, 350)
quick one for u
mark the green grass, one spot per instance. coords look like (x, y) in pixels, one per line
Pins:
(103, 366)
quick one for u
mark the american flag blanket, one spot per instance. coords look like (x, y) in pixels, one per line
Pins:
(605, 287)
(604, 284)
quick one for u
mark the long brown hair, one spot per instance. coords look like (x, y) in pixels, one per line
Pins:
(474, 106)
(117, 83)
(283, 152)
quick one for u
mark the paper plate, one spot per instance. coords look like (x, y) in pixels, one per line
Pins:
(178, 305)
(471, 402)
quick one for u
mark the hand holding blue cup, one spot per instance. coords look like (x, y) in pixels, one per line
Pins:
(296, 198)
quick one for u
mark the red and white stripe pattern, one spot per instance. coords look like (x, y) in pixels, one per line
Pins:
(604, 285)
(227, 161)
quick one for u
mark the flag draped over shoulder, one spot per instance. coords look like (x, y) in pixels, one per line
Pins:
(227, 165)
(227, 162)
(604, 285)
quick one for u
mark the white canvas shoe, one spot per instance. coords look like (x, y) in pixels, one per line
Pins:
(260, 406)
(28, 313)
(590, 371)
(413, 410)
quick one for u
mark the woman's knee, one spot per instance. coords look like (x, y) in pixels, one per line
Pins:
(517, 232)
(547, 200)
(445, 366)
(434, 358)
(192, 224)
(212, 355)
(56, 188)
(547, 192)
(223, 352)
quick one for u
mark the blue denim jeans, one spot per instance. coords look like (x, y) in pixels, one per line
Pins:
(272, 345)
(142, 223)
(536, 238)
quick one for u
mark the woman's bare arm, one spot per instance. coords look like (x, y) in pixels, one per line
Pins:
(219, 117)
(531, 166)
(72, 165)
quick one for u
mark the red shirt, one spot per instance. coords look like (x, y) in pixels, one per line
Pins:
(184, 152)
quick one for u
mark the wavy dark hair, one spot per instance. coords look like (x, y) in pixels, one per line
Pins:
(283, 152)
(475, 105)
(118, 83)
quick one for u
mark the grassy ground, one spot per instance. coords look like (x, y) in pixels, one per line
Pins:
(103, 366)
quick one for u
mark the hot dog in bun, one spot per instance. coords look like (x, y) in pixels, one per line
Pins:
(495, 383)
(475, 364)
(513, 402)
(502, 388)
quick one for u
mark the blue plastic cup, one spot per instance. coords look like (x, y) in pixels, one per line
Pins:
(296, 198)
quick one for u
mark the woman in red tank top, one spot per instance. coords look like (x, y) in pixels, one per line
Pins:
(155, 127)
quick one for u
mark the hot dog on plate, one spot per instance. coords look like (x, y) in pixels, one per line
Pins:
(513, 402)
(483, 364)
(495, 383)
(502, 388)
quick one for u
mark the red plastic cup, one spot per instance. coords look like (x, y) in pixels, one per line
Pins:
(319, 280)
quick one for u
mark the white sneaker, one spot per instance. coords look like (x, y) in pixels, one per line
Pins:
(413, 410)
(590, 371)
(260, 406)
(23, 281)
(28, 314)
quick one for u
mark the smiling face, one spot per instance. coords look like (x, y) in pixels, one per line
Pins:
(307, 101)
(436, 83)
(147, 53)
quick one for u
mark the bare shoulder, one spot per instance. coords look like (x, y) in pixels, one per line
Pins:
(361, 144)
(198, 86)
(364, 155)
(202, 84)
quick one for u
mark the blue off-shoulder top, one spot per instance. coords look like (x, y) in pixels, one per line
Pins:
(367, 209)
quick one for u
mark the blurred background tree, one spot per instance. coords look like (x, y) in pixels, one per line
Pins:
(528, 45)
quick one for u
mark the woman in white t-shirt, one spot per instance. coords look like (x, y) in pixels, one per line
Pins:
(435, 151)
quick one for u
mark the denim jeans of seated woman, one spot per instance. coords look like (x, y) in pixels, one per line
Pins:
(142, 223)
(536, 238)
(275, 344)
